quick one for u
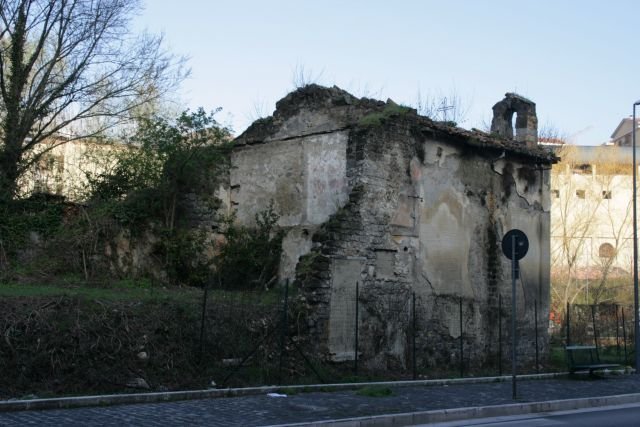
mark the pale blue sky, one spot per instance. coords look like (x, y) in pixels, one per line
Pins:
(576, 59)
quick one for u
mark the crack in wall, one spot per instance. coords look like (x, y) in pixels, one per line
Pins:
(425, 277)
(289, 138)
(515, 188)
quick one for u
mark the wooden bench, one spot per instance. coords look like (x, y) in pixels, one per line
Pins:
(585, 358)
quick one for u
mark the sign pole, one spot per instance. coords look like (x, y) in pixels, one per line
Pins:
(514, 246)
(514, 261)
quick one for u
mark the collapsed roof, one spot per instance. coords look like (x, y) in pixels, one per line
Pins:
(315, 109)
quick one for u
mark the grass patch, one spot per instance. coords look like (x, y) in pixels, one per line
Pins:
(142, 290)
(114, 293)
(372, 120)
(374, 391)
(608, 354)
(558, 358)
(390, 110)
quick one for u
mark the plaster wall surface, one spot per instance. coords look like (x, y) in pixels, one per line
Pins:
(268, 173)
(342, 317)
(462, 201)
(304, 178)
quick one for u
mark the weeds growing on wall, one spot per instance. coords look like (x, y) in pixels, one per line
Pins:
(378, 118)
(251, 255)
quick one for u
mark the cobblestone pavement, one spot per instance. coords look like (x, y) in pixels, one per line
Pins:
(263, 410)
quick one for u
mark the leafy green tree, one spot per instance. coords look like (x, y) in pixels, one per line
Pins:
(166, 160)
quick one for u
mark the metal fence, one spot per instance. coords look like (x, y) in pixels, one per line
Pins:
(608, 327)
(257, 338)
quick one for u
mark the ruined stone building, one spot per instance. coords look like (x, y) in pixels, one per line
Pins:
(372, 193)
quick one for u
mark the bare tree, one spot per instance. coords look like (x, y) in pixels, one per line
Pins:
(611, 177)
(260, 110)
(365, 90)
(439, 107)
(302, 76)
(73, 67)
(590, 223)
(550, 134)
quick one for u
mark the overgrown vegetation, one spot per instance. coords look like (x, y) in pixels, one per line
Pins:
(136, 220)
(378, 118)
(60, 340)
(79, 341)
(138, 198)
(39, 215)
(251, 256)
(144, 189)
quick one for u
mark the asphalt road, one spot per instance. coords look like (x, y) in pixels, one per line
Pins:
(613, 416)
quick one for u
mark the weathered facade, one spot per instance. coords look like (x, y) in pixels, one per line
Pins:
(373, 194)
(62, 170)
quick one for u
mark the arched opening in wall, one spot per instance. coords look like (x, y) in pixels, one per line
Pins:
(606, 250)
(513, 121)
(506, 125)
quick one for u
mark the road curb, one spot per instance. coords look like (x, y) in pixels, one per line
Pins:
(458, 414)
(172, 396)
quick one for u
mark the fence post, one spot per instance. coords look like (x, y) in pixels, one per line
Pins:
(461, 343)
(283, 329)
(535, 309)
(203, 320)
(595, 331)
(568, 316)
(500, 335)
(617, 332)
(413, 343)
(624, 338)
(355, 354)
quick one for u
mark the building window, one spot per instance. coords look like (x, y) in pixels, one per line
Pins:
(580, 194)
(606, 194)
(555, 194)
(606, 250)
(583, 169)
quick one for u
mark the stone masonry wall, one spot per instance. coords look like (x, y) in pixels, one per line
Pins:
(424, 216)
